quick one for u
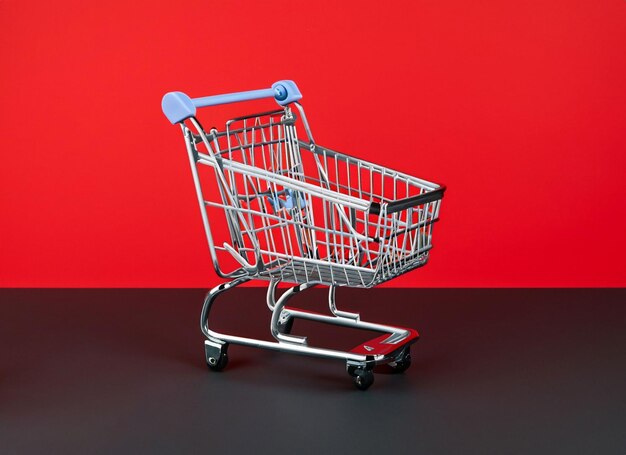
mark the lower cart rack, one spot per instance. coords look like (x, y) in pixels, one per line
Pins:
(393, 348)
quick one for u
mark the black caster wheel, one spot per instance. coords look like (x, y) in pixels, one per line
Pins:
(218, 363)
(363, 379)
(285, 328)
(403, 364)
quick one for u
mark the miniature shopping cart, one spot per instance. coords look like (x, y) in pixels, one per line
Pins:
(291, 211)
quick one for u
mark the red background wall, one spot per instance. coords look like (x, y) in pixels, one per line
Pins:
(519, 107)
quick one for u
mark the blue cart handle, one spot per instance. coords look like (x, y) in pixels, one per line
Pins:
(178, 107)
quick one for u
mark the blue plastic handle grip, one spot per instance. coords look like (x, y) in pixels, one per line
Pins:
(232, 97)
(178, 107)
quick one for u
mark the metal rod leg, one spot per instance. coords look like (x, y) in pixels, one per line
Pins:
(271, 301)
(278, 308)
(208, 302)
(335, 311)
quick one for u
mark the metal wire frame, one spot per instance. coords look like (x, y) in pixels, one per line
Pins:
(301, 213)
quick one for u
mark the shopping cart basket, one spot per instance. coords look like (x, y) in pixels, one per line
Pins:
(291, 211)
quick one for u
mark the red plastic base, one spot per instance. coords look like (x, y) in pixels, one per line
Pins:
(377, 346)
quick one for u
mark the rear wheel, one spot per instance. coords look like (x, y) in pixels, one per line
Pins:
(403, 363)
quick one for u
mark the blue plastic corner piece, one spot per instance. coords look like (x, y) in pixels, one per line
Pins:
(177, 107)
(286, 92)
(294, 199)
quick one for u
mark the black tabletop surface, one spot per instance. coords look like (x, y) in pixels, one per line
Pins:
(499, 371)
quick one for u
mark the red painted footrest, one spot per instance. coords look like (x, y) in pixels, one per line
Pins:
(377, 346)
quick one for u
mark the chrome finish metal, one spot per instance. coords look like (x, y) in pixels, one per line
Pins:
(296, 344)
(277, 312)
(287, 344)
(301, 213)
(397, 335)
(208, 302)
(270, 299)
(335, 311)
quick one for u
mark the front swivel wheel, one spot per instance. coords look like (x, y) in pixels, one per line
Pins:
(363, 379)
(216, 355)
(219, 363)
